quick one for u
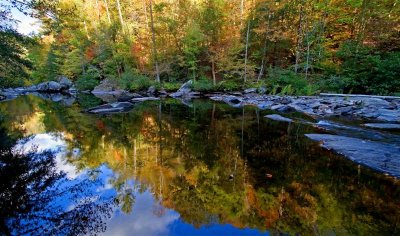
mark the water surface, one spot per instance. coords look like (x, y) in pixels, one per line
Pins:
(166, 168)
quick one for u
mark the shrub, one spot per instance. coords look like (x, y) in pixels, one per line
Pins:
(89, 80)
(134, 81)
(203, 85)
(229, 85)
(171, 86)
(287, 82)
(368, 71)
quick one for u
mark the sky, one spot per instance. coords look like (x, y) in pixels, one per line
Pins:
(26, 24)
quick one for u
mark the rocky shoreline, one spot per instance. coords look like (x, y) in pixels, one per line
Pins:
(366, 108)
(371, 144)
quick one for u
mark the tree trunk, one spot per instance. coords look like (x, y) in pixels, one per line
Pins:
(299, 39)
(98, 9)
(121, 20)
(108, 12)
(246, 53)
(213, 72)
(264, 51)
(153, 36)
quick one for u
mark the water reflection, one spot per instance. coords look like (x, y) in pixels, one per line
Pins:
(169, 169)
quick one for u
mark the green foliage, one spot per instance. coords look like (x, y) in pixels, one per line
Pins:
(203, 85)
(134, 81)
(171, 86)
(287, 82)
(366, 71)
(229, 85)
(89, 80)
(14, 65)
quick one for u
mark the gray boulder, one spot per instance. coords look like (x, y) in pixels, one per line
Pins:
(184, 90)
(151, 90)
(107, 86)
(65, 82)
(50, 86)
(250, 90)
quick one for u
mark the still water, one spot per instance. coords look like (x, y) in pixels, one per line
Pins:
(167, 168)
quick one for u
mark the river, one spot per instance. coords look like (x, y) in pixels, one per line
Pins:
(168, 168)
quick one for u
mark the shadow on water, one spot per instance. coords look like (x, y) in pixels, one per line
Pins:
(169, 169)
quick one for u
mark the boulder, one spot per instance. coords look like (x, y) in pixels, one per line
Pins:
(184, 90)
(250, 90)
(282, 108)
(265, 105)
(65, 82)
(262, 90)
(107, 86)
(151, 90)
(50, 86)
(379, 156)
(277, 117)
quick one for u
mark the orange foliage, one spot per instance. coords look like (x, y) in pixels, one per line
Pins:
(90, 53)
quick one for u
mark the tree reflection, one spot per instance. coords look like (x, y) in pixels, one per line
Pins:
(37, 199)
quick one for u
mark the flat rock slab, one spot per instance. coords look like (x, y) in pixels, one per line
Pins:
(382, 125)
(277, 117)
(143, 99)
(379, 156)
(116, 107)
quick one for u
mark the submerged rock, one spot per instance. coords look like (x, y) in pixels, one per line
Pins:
(277, 117)
(143, 99)
(380, 156)
(116, 107)
(382, 125)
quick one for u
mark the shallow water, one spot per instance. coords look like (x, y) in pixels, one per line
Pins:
(166, 168)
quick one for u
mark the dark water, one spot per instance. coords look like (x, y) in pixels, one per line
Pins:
(170, 169)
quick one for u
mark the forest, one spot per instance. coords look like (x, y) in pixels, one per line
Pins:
(298, 47)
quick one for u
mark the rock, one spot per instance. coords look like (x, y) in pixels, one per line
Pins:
(250, 90)
(382, 125)
(388, 115)
(64, 82)
(2, 97)
(324, 110)
(277, 117)
(380, 156)
(107, 86)
(262, 90)
(265, 105)
(344, 110)
(184, 90)
(116, 107)
(151, 90)
(143, 99)
(282, 108)
(50, 86)
(375, 102)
